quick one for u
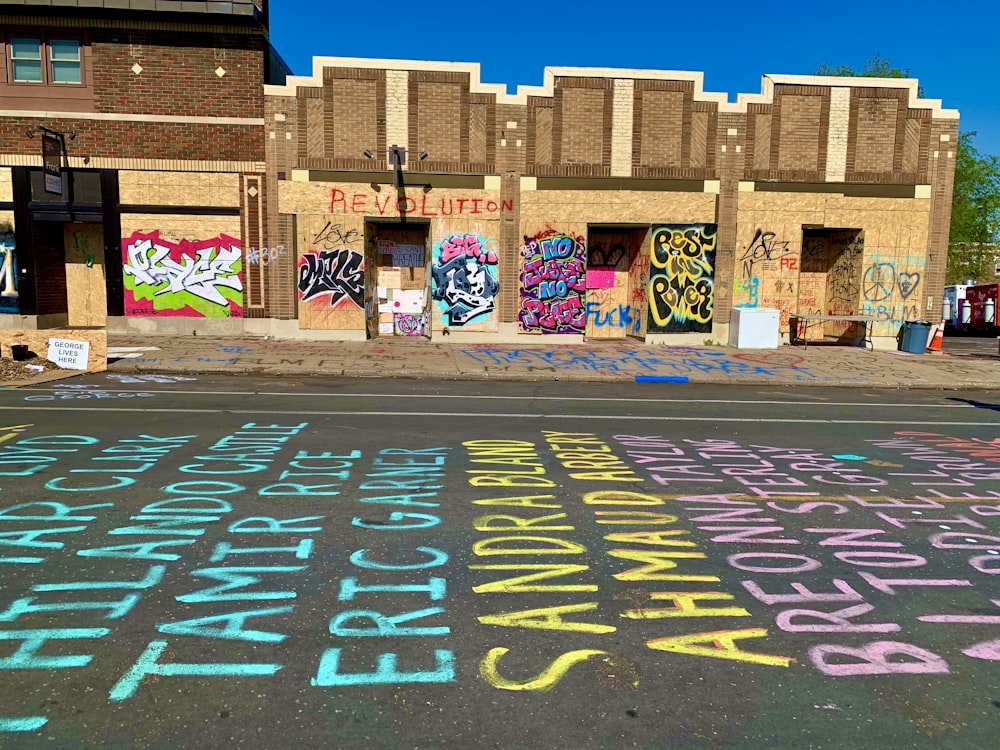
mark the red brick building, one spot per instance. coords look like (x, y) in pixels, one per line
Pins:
(157, 110)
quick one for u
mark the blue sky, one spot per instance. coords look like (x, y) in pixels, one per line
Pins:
(948, 47)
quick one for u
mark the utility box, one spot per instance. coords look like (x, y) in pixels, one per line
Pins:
(751, 328)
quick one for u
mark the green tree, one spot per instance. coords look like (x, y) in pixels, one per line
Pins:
(974, 239)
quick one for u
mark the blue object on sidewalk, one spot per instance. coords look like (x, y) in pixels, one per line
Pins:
(915, 335)
(660, 379)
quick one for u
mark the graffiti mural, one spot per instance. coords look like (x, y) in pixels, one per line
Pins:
(465, 282)
(681, 289)
(337, 273)
(553, 283)
(8, 273)
(200, 278)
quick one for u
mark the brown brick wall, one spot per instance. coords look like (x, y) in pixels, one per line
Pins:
(798, 136)
(441, 121)
(661, 115)
(139, 140)
(178, 76)
(875, 135)
(582, 135)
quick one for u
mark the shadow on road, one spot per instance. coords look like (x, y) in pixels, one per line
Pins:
(977, 404)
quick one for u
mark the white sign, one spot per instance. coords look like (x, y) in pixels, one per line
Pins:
(72, 355)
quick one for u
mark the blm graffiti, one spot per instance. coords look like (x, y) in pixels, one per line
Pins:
(200, 278)
(553, 283)
(681, 278)
(465, 282)
(338, 275)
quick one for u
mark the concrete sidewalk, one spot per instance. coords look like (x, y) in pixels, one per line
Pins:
(598, 361)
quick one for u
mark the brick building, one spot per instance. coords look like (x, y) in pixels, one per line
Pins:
(146, 214)
(605, 203)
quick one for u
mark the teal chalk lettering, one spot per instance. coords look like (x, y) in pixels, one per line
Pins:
(27, 606)
(153, 576)
(404, 471)
(26, 656)
(60, 512)
(22, 723)
(233, 626)
(56, 483)
(386, 671)
(438, 558)
(222, 550)
(268, 525)
(22, 560)
(409, 460)
(135, 470)
(161, 525)
(138, 551)
(435, 588)
(383, 625)
(48, 440)
(292, 488)
(189, 505)
(151, 439)
(148, 664)
(29, 538)
(203, 486)
(391, 484)
(235, 578)
(420, 521)
(402, 499)
(290, 429)
(413, 451)
(247, 468)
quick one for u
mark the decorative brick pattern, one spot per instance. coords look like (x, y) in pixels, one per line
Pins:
(875, 137)
(836, 141)
(798, 134)
(397, 107)
(663, 118)
(622, 128)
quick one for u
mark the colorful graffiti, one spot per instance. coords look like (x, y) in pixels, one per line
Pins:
(407, 324)
(337, 273)
(553, 283)
(200, 278)
(465, 283)
(681, 289)
(9, 302)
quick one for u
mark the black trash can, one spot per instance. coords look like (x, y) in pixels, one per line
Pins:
(915, 335)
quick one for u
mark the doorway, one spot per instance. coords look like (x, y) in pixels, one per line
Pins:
(615, 269)
(396, 279)
(830, 277)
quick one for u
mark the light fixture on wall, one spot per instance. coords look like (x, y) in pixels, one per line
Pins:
(422, 155)
(368, 153)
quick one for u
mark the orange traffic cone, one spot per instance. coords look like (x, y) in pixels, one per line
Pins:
(937, 339)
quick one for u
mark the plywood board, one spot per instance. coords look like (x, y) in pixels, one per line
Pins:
(86, 287)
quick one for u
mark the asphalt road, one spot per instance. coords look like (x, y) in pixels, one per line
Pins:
(222, 562)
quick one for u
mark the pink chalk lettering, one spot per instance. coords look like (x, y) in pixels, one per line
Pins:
(892, 502)
(804, 595)
(833, 622)
(877, 657)
(985, 510)
(901, 522)
(988, 650)
(852, 537)
(885, 585)
(881, 559)
(805, 564)
(804, 508)
(971, 541)
(754, 534)
(988, 564)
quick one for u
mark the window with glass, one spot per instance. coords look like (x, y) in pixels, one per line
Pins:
(39, 60)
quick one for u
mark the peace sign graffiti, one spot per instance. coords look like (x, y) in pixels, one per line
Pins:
(879, 281)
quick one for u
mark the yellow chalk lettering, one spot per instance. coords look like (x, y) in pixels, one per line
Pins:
(686, 605)
(656, 562)
(545, 680)
(723, 646)
(518, 584)
(486, 547)
(607, 476)
(619, 497)
(517, 523)
(516, 460)
(524, 501)
(548, 618)
(659, 538)
(633, 517)
(518, 480)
